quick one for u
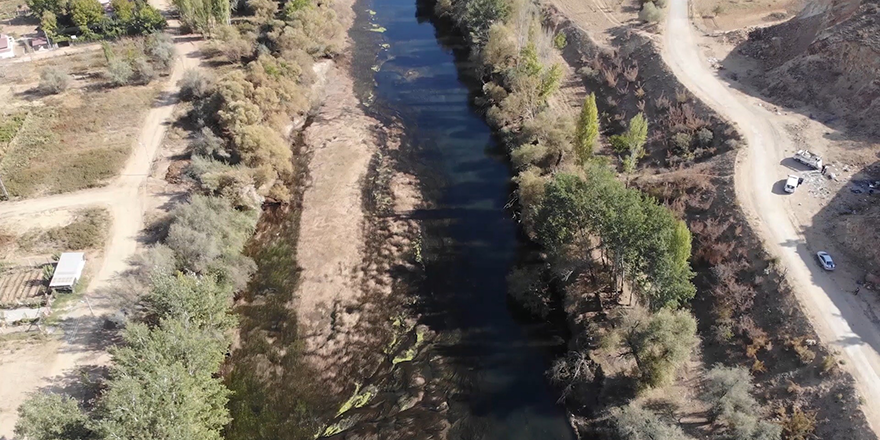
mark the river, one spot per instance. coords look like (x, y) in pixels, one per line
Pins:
(471, 242)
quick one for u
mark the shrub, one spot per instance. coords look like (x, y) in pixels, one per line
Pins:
(728, 391)
(143, 70)
(559, 41)
(660, 343)
(159, 47)
(196, 84)
(45, 416)
(704, 137)
(682, 142)
(650, 13)
(800, 425)
(632, 422)
(53, 80)
(661, 3)
(527, 288)
(572, 370)
(119, 72)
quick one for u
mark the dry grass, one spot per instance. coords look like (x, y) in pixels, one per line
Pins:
(8, 8)
(75, 141)
(88, 230)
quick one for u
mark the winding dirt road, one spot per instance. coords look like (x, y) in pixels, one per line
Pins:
(836, 313)
(52, 365)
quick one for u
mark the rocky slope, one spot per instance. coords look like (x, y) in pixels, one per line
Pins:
(827, 57)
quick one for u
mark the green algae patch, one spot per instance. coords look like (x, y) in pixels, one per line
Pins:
(380, 29)
(371, 12)
(411, 352)
(357, 399)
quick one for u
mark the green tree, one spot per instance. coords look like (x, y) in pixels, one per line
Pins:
(203, 15)
(480, 15)
(49, 25)
(197, 300)
(634, 138)
(659, 343)
(587, 131)
(86, 13)
(40, 7)
(124, 10)
(728, 391)
(46, 416)
(147, 19)
(633, 422)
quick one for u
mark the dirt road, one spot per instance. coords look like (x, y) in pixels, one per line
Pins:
(81, 347)
(837, 315)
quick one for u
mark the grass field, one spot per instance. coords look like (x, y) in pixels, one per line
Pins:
(80, 139)
(8, 8)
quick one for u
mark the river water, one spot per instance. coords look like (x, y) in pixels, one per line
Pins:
(499, 358)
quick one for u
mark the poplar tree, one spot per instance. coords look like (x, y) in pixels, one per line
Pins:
(587, 132)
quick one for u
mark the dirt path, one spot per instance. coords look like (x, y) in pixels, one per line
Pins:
(836, 313)
(82, 345)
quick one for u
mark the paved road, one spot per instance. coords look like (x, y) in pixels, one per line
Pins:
(125, 197)
(838, 316)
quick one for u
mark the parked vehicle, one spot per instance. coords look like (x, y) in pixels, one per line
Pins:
(809, 159)
(825, 260)
(792, 183)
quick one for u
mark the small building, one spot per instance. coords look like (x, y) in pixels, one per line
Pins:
(7, 46)
(68, 271)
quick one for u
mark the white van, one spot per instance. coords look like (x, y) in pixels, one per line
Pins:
(791, 183)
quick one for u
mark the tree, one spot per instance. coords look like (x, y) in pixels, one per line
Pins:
(633, 422)
(49, 24)
(634, 138)
(659, 343)
(479, 15)
(159, 47)
(196, 84)
(197, 300)
(650, 13)
(45, 416)
(40, 7)
(157, 400)
(147, 19)
(203, 15)
(587, 132)
(86, 13)
(119, 72)
(124, 10)
(728, 391)
(53, 80)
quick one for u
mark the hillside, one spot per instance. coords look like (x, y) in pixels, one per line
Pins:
(827, 57)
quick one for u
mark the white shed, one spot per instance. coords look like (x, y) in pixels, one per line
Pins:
(68, 271)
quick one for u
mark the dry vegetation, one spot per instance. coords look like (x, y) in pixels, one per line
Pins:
(82, 136)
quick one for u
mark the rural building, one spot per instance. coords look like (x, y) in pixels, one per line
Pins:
(7, 46)
(68, 271)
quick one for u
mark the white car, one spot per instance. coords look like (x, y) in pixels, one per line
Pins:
(791, 183)
(825, 260)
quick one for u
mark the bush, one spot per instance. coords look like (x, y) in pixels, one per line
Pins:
(800, 425)
(704, 137)
(53, 80)
(682, 142)
(143, 70)
(527, 288)
(661, 3)
(573, 370)
(51, 417)
(559, 41)
(119, 72)
(159, 47)
(728, 391)
(196, 84)
(660, 343)
(650, 13)
(632, 422)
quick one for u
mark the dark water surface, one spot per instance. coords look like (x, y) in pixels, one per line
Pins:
(471, 241)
